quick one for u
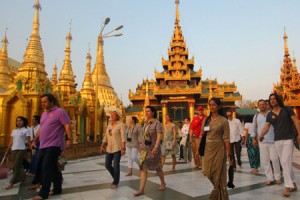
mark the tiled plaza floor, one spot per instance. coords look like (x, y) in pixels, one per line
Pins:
(87, 178)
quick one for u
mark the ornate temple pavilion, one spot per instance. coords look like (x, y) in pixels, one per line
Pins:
(22, 84)
(289, 86)
(179, 88)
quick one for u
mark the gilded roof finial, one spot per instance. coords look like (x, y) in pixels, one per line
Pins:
(88, 83)
(294, 60)
(177, 12)
(69, 36)
(4, 67)
(54, 75)
(5, 42)
(66, 78)
(286, 47)
(36, 22)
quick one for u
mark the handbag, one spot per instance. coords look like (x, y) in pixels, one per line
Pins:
(296, 143)
(61, 162)
(183, 141)
(169, 145)
(3, 169)
(203, 139)
(202, 145)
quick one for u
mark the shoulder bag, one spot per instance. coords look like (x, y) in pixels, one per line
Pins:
(296, 144)
(203, 139)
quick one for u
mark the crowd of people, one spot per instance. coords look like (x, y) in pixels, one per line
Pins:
(215, 140)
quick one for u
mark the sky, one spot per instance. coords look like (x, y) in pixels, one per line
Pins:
(232, 40)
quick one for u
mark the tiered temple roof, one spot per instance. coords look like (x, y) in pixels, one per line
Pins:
(179, 81)
(289, 86)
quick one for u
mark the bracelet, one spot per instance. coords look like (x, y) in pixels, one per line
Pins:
(69, 139)
(156, 146)
(123, 149)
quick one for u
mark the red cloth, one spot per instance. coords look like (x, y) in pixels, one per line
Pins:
(196, 125)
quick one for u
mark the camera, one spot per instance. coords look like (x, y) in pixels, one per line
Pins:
(128, 139)
(148, 142)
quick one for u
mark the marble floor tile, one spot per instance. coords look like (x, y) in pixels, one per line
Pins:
(87, 179)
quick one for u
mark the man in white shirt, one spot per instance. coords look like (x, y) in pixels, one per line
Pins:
(236, 137)
(266, 147)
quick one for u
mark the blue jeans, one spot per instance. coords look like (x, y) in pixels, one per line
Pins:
(48, 158)
(113, 170)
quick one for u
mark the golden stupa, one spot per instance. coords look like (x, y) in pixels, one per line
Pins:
(21, 86)
(179, 89)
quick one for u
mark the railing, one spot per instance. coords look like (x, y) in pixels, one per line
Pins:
(75, 152)
(82, 151)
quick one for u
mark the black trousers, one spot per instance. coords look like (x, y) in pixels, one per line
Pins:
(50, 172)
(236, 148)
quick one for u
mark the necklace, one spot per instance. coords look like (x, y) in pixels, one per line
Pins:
(214, 119)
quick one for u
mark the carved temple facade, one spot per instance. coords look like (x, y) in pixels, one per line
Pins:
(289, 85)
(21, 86)
(178, 89)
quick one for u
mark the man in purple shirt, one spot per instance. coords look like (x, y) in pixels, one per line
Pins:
(54, 123)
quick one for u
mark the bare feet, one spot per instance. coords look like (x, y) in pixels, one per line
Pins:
(139, 193)
(294, 189)
(129, 174)
(34, 187)
(10, 186)
(37, 198)
(113, 186)
(269, 183)
(278, 182)
(286, 192)
(162, 187)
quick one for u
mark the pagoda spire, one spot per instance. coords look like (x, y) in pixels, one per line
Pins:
(87, 92)
(66, 78)
(101, 81)
(54, 76)
(4, 68)
(103, 78)
(147, 100)
(178, 65)
(34, 55)
(33, 66)
(88, 83)
(4, 46)
(286, 46)
(287, 67)
(210, 95)
(177, 12)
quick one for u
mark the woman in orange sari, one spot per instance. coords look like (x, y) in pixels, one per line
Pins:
(216, 129)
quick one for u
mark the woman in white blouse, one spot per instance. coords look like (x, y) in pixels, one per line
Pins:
(19, 136)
